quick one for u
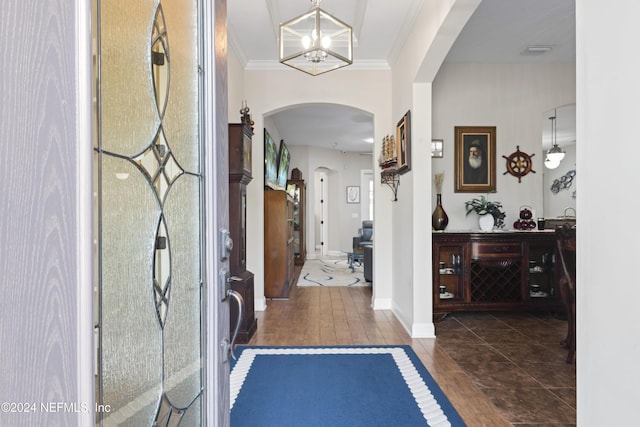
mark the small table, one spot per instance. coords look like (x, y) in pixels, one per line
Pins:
(354, 257)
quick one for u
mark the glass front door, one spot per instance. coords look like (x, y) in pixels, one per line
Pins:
(149, 204)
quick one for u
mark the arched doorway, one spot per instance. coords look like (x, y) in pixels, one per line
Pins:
(331, 144)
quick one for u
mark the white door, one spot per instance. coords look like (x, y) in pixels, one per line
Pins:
(161, 154)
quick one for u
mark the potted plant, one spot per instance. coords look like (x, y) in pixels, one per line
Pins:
(491, 211)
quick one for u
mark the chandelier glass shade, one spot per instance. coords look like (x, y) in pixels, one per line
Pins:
(316, 42)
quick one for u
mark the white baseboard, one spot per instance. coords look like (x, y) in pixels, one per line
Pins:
(260, 304)
(423, 330)
(381, 304)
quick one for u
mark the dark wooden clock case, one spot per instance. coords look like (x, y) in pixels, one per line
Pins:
(240, 135)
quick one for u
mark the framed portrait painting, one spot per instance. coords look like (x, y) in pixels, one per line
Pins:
(403, 143)
(475, 159)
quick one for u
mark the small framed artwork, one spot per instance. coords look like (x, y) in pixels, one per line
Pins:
(437, 145)
(403, 143)
(475, 159)
(353, 194)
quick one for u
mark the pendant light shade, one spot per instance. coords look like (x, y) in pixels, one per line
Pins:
(316, 42)
(551, 164)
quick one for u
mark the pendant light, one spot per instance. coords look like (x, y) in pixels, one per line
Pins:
(555, 153)
(316, 42)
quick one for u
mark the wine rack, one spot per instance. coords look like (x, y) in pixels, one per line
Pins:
(476, 271)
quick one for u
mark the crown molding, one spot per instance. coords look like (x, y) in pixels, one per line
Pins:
(358, 65)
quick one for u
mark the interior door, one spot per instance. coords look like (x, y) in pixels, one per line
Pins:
(160, 153)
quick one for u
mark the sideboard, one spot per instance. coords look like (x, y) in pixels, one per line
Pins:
(499, 270)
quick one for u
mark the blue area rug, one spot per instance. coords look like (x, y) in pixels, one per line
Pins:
(335, 386)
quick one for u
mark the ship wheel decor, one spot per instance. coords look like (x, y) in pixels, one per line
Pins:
(519, 163)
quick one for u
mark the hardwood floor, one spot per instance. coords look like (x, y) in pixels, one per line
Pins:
(496, 369)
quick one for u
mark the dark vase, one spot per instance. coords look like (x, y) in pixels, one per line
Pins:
(439, 218)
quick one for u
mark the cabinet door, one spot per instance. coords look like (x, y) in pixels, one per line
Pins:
(495, 272)
(540, 271)
(449, 272)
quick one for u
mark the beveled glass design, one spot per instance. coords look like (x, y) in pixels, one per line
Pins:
(159, 165)
(168, 415)
(162, 272)
(160, 61)
(150, 221)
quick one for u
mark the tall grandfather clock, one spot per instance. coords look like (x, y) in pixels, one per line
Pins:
(239, 176)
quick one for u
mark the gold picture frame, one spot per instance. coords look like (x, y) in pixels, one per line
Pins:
(475, 159)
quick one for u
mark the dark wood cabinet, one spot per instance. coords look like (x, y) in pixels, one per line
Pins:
(297, 188)
(240, 135)
(494, 271)
(278, 244)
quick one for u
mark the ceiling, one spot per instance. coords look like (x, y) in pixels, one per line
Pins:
(498, 32)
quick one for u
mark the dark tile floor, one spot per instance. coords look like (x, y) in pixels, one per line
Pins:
(517, 361)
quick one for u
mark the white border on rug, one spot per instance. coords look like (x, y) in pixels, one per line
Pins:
(331, 272)
(431, 410)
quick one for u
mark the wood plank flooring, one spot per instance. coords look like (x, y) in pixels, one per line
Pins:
(491, 381)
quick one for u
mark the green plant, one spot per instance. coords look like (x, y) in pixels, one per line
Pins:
(482, 206)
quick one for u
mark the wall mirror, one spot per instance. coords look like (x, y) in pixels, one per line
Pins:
(559, 184)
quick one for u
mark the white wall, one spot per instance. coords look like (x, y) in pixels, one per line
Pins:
(607, 114)
(434, 31)
(511, 97)
(236, 94)
(555, 204)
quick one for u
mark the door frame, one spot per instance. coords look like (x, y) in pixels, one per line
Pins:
(216, 215)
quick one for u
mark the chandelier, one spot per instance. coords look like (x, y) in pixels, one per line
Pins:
(316, 42)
